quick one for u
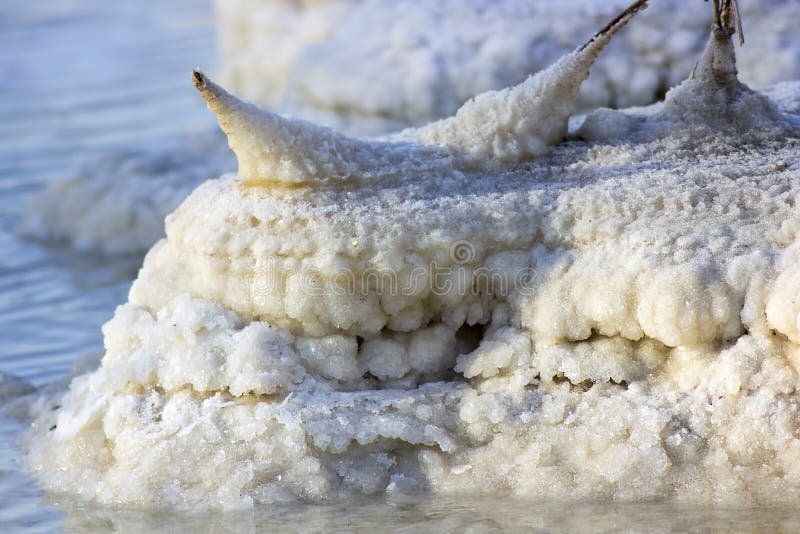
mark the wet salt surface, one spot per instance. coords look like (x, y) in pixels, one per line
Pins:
(83, 76)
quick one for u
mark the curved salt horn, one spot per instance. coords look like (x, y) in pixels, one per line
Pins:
(274, 149)
(520, 122)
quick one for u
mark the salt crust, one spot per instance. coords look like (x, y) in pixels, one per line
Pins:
(651, 353)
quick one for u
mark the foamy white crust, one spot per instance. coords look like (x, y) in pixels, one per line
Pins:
(652, 352)
(427, 58)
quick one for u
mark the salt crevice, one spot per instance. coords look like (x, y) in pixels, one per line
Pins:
(645, 347)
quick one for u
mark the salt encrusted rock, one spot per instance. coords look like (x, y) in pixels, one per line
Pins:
(615, 319)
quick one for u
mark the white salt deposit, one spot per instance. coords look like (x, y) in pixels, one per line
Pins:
(524, 121)
(260, 40)
(614, 319)
(326, 61)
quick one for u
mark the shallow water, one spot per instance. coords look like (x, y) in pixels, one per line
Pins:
(80, 77)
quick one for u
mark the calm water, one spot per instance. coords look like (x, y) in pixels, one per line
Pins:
(77, 78)
(80, 77)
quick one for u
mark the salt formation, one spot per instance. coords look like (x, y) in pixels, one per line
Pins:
(259, 40)
(117, 203)
(613, 319)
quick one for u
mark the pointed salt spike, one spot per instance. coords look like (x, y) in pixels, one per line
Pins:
(521, 122)
(714, 98)
(719, 58)
(275, 150)
(737, 19)
(505, 126)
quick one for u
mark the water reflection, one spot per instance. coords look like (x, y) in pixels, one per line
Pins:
(439, 514)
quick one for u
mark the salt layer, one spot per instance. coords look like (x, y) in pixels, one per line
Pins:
(610, 317)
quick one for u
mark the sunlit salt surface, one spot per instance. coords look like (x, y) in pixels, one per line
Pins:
(57, 110)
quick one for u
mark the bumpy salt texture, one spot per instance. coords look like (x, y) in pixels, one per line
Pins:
(613, 319)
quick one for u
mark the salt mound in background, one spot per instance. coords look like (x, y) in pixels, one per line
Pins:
(117, 203)
(374, 66)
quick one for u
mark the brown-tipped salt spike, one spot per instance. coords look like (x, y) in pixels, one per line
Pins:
(521, 122)
(719, 58)
(713, 97)
(728, 18)
(511, 125)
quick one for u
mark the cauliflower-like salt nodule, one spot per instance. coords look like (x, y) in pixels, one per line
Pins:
(613, 318)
